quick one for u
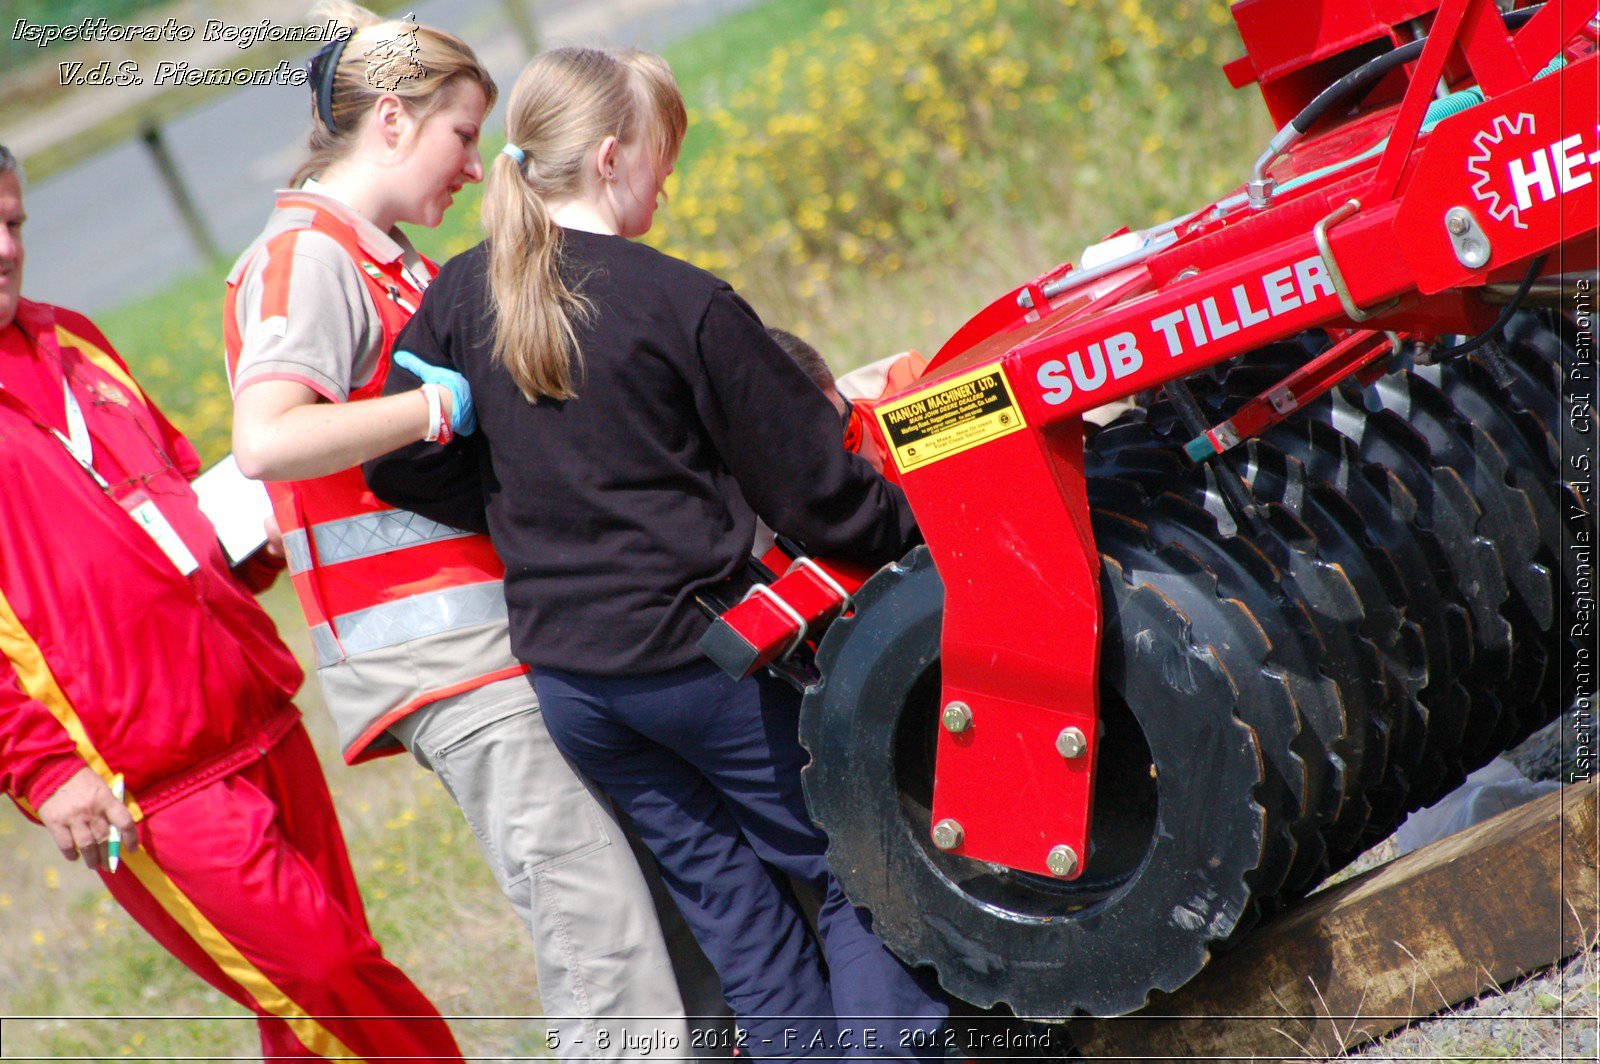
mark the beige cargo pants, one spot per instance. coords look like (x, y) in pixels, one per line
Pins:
(613, 985)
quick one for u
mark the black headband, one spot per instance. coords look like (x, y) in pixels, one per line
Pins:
(320, 72)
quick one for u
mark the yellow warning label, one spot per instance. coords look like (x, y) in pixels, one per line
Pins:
(960, 414)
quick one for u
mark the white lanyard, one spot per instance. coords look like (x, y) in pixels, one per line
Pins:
(77, 441)
(393, 289)
(145, 513)
(417, 284)
(77, 438)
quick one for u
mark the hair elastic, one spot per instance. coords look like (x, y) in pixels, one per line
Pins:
(324, 65)
(515, 152)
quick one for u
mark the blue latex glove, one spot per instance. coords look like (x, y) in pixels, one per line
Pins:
(463, 419)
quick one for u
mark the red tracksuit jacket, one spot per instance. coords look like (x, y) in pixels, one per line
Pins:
(111, 657)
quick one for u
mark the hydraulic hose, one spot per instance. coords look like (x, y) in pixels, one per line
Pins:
(1370, 73)
(1500, 323)
(1358, 81)
(1438, 111)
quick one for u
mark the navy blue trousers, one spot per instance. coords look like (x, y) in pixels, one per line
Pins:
(708, 770)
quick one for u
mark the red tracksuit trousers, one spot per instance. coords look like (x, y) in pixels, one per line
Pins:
(247, 881)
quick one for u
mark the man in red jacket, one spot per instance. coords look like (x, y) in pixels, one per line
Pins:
(131, 650)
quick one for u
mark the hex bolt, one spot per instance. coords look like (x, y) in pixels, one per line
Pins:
(957, 717)
(947, 835)
(1063, 861)
(1071, 743)
(1260, 191)
(1467, 240)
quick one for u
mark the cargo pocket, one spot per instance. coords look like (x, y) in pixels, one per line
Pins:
(526, 805)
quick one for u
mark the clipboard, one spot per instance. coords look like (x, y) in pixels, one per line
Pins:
(237, 506)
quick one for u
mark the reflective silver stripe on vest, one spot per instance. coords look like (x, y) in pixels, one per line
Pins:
(364, 536)
(393, 623)
(325, 645)
(297, 551)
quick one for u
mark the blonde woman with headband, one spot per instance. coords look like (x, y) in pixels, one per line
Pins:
(408, 616)
(634, 420)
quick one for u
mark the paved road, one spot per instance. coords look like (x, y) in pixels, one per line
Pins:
(104, 232)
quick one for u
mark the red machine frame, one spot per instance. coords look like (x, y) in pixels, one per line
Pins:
(1002, 501)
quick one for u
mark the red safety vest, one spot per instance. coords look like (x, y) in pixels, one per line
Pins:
(370, 576)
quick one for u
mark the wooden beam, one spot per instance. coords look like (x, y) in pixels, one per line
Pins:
(1359, 959)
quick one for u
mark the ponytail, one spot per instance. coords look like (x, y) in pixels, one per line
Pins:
(564, 104)
(534, 336)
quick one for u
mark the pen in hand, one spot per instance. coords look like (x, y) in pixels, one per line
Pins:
(114, 842)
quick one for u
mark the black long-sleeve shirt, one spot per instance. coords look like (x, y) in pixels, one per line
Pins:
(613, 509)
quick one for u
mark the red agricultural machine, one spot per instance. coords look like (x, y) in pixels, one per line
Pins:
(1150, 681)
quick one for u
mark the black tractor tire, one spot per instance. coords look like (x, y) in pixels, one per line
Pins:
(1177, 825)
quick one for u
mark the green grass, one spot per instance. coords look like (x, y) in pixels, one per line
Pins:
(713, 67)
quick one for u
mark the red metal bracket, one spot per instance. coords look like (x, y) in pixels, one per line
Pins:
(1330, 262)
(1498, 64)
(1538, 41)
(1346, 358)
(773, 620)
(1526, 168)
(1408, 121)
(1021, 636)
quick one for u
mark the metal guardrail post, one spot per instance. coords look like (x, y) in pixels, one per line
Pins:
(179, 193)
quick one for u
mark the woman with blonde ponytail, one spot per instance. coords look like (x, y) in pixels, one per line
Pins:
(635, 419)
(408, 616)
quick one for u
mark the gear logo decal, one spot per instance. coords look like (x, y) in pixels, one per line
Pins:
(1478, 165)
(1515, 172)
